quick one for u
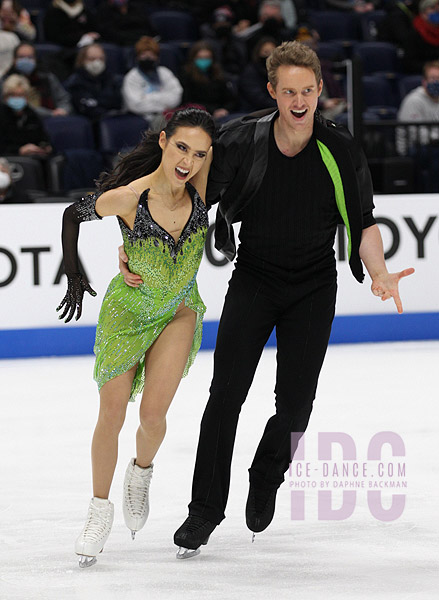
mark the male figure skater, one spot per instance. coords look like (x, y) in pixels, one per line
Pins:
(289, 177)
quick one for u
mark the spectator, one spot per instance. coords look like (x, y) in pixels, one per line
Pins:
(149, 89)
(8, 42)
(253, 83)
(68, 23)
(231, 50)
(94, 90)
(14, 18)
(422, 104)
(47, 96)
(270, 23)
(397, 24)
(204, 84)
(123, 22)
(422, 44)
(22, 130)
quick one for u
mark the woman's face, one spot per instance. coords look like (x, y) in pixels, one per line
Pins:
(184, 153)
(94, 53)
(204, 53)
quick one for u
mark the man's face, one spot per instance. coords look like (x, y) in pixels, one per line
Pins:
(431, 75)
(297, 93)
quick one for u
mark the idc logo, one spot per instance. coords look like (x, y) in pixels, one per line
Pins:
(338, 482)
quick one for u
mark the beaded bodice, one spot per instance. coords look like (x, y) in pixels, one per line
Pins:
(168, 268)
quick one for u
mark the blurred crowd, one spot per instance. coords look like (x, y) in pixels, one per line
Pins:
(73, 71)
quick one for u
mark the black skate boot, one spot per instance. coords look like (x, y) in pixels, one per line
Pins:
(194, 532)
(259, 510)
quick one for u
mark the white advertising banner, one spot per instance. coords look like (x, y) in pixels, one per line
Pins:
(32, 284)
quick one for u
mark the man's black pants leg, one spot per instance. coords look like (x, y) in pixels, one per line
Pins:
(245, 326)
(302, 334)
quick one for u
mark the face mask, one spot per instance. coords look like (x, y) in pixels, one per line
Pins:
(203, 64)
(25, 65)
(95, 67)
(433, 18)
(433, 89)
(147, 64)
(272, 25)
(5, 180)
(16, 102)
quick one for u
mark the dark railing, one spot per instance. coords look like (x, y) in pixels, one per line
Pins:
(403, 157)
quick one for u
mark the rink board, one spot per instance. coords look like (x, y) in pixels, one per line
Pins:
(32, 284)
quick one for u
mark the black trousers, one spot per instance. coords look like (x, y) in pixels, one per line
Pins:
(301, 308)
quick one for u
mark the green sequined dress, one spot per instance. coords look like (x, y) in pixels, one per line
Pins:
(131, 319)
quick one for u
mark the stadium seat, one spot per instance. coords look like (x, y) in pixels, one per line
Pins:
(45, 51)
(333, 51)
(335, 25)
(377, 91)
(409, 83)
(119, 132)
(70, 132)
(378, 57)
(115, 58)
(174, 25)
(369, 24)
(27, 174)
(380, 113)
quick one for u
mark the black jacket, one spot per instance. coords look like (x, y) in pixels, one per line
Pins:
(122, 28)
(17, 130)
(240, 162)
(60, 29)
(93, 96)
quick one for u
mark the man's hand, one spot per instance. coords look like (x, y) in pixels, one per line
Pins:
(130, 279)
(386, 286)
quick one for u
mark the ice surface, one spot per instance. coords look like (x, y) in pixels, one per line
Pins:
(48, 412)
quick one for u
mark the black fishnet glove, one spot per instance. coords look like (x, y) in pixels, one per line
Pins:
(84, 210)
(72, 301)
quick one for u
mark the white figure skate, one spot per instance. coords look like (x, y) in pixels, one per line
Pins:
(96, 530)
(136, 496)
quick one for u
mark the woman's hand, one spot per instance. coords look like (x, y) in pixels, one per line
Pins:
(130, 279)
(386, 286)
(77, 284)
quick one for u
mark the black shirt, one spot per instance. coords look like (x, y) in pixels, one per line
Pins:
(291, 221)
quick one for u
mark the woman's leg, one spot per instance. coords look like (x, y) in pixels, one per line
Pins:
(114, 397)
(164, 365)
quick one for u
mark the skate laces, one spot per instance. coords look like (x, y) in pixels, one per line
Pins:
(98, 520)
(137, 489)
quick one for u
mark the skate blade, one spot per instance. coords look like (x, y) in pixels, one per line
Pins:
(253, 537)
(133, 535)
(187, 552)
(87, 561)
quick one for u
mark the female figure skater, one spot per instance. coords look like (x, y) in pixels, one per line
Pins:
(147, 337)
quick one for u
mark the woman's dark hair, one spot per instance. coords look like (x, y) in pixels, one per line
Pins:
(215, 71)
(147, 155)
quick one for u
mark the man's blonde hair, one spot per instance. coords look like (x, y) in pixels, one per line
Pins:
(292, 54)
